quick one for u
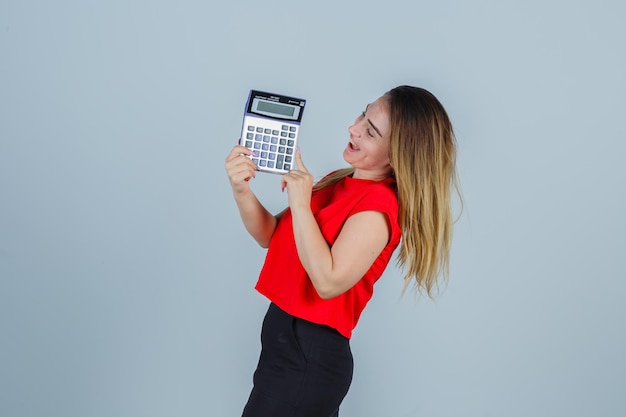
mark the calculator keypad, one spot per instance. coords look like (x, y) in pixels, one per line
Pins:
(273, 146)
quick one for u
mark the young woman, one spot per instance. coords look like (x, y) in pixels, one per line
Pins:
(333, 242)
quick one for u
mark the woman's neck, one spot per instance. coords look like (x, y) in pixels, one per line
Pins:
(372, 176)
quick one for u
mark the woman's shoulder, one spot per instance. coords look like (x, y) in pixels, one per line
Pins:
(376, 195)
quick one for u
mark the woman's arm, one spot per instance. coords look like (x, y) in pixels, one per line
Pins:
(259, 222)
(333, 270)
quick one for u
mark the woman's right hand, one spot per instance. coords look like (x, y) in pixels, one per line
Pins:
(259, 222)
(240, 169)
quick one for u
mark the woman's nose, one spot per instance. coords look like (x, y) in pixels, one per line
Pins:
(353, 130)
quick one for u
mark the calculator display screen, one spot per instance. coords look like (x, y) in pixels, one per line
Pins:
(275, 108)
(272, 108)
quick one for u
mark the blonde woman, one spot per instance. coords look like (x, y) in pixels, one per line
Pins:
(329, 247)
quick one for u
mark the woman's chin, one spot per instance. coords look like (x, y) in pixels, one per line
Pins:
(347, 155)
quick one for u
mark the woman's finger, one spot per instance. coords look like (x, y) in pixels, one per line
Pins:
(301, 166)
(237, 151)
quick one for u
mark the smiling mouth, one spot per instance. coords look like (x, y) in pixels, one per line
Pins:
(352, 146)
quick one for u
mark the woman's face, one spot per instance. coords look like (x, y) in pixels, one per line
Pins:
(368, 149)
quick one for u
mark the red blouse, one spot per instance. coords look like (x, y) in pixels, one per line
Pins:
(283, 279)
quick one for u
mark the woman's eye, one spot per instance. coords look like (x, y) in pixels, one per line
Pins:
(368, 130)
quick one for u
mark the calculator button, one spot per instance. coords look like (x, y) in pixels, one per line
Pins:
(287, 167)
(248, 144)
(283, 141)
(257, 145)
(283, 134)
(292, 135)
(266, 138)
(251, 128)
(259, 129)
(289, 151)
(265, 146)
(258, 137)
(275, 132)
(270, 164)
(290, 143)
(267, 131)
(256, 161)
(292, 128)
(273, 148)
(287, 158)
(275, 139)
(281, 149)
(285, 127)
(272, 156)
(250, 136)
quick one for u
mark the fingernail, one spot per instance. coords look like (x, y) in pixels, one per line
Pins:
(298, 149)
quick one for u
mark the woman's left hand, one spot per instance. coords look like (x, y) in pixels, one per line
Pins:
(299, 184)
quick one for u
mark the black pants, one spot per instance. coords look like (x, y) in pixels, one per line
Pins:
(304, 370)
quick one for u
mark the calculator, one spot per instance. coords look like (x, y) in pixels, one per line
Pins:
(271, 124)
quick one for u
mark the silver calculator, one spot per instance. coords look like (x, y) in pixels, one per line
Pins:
(271, 124)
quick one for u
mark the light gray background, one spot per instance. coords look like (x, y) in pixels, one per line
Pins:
(127, 279)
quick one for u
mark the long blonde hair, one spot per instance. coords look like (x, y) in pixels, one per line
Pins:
(422, 151)
(423, 156)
